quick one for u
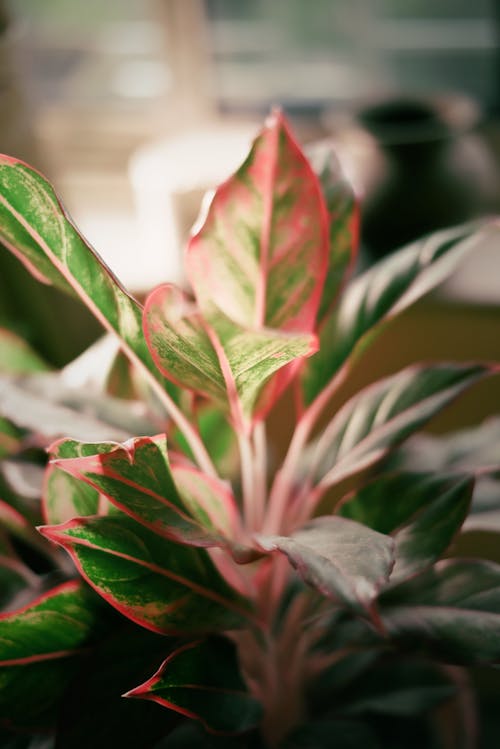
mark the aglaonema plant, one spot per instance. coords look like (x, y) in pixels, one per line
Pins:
(266, 603)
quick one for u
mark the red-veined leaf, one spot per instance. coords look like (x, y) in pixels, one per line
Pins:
(178, 503)
(163, 586)
(381, 293)
(261, 253)
(201, 680)
(218, 358)
(339, 557)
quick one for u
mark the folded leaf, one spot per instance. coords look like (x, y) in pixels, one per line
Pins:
(37, 229)
(339, 557)
(161, 585)
(382, 292)
(181, 504)
(261, 253)
(202, 680)
(424, 511)
(453, 610)
(217, 358)
(39, 649)
(387, 412)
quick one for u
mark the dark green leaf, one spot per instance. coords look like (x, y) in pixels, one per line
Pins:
(424, 511)
(201, 680)
(452, 610)
(339, 557)
(40, 646)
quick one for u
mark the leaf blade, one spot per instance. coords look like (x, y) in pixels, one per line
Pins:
(339, 557)
(115, 554)
(261, 254)
(201, 680)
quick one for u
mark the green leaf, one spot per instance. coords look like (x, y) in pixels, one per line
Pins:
(452, 610)
(40, 646)
(424, 511)
(201, 680)
(161, 585)
(387, 412)
(37, 229)
(339, 557)
(16, 357)
(179, 503)
(12, 521)
(343, 216)
(217, 358)
(261, 254)
(381, 293)
(10, 438)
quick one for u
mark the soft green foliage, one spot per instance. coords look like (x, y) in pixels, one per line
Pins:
(240, 602)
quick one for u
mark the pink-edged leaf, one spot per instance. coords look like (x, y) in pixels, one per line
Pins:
(16, 357)
(178, 503)
(339, 557)
(387, 412)
(163, 586)
(261, 253)
(218, 358)
(39, 646)
(383, 292)
(65, 497)
(36, 228)
(343, 214)
(201, 680)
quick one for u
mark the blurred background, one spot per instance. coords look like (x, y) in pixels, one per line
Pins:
(135, 107)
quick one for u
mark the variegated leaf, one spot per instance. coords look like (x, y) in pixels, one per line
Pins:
(178, 503)
(387, 412)
(381, 293)
(163, 586)
(261, 254)
(37, 229)
(218, 358)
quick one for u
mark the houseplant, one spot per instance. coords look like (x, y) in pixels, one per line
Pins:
(269, 604)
